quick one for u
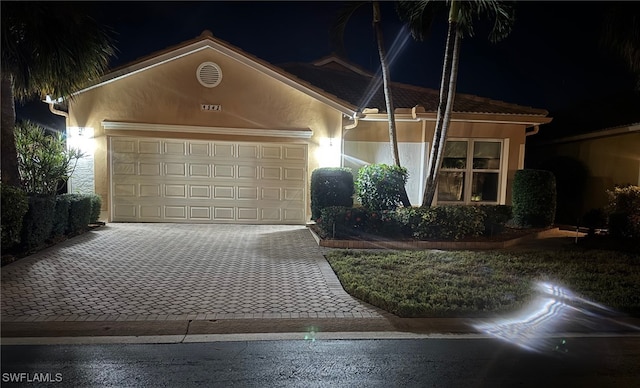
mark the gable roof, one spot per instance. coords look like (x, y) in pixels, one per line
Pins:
(331, 80)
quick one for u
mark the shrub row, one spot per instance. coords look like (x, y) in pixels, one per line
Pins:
(29, 221)
(330, 186)
(438, 222)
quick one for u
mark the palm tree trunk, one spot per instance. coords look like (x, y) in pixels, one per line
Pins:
(445, 107)
(393, 136)
(9, 158)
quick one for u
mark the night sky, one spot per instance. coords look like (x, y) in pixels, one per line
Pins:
(552, 59)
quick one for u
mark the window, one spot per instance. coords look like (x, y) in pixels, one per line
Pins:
(470, 172)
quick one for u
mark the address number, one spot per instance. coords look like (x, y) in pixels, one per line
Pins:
(210, 108)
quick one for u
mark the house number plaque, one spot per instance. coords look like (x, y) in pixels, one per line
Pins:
(210, 107)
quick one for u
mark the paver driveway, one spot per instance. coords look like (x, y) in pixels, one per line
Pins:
(177, 271)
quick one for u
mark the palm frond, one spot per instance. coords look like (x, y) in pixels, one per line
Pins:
(52, 48)
(337, 29)
(419, 16)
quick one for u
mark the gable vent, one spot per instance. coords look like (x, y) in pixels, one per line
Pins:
(209, 74)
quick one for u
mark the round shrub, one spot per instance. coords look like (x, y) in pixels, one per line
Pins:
(380, 186)
(79, 213)
(534, 198)
(61, 216)
(330, 186)
(624, 211)
(14, 207)
(96, 205)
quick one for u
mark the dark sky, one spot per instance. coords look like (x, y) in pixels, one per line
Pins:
(551, 60)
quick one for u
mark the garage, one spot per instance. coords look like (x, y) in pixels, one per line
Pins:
(196, 181)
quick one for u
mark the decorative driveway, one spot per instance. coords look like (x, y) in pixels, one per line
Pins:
(132, 272)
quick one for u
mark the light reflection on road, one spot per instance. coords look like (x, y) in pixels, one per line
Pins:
(554, 310)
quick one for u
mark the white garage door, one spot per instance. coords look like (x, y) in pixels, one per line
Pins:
(170, 180)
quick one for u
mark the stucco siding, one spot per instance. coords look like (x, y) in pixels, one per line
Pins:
(170, 94)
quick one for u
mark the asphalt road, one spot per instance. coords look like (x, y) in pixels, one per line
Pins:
(449, 362)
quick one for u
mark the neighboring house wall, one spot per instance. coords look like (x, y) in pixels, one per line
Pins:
(369, 143)
(607, 160)
(170, 94)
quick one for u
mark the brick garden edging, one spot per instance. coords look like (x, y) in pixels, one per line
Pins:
(416, 244)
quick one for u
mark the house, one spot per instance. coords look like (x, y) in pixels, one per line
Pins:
(205, 132)
(591, 147)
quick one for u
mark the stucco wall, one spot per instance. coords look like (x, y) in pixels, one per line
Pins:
(171, 94)
(422, 132)
(609, 161)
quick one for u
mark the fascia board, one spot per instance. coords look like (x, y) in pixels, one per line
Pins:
(305, 133)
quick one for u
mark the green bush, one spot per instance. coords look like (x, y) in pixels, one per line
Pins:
(344, 222)
(449, 222)
(79, 213)
(534, 198)
(14, 207)
(44, 162)
(96, 205)
(496, 218)
(38, 221)
(380, 186)
(624, 212)
(330, 186)
(61, 216)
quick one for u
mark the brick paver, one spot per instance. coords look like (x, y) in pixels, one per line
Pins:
(178, 272)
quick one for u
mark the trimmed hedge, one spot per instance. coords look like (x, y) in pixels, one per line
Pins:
(96, 205)
(496, 218)
(435, 223)
(79, 213)
(341, 221)
(330, 186)
(14, 207)
(450, 222)
(61, 216)
(534, 198)
(38, 221)
(381, 186)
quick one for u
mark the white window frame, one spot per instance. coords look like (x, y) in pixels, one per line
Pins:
(469, 170)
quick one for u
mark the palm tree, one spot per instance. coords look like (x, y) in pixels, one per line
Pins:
(47, 49)
(460, 23)
(621, 34)
(338, 34)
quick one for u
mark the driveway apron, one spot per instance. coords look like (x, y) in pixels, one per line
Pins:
(129, 272)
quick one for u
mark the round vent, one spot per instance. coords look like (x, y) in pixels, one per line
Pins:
(209, 74)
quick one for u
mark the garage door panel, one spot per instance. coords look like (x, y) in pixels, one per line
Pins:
(294, 174)
(149, 147)
(175, 212)
(199, 192)
(151, 190)
(151, 212)
(175, 169)
(223, 171)
(248, 193)
(247, 151)
(152, 169)
(248, 172)
(274, 173)
(247, 214)
(223, 192)
(166, 180)
(124, 169)
(175, 148)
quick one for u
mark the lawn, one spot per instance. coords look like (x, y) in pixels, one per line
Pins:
(432, 283)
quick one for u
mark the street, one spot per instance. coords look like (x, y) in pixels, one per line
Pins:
(445, 362)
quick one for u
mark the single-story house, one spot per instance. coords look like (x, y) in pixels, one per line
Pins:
(205, 132)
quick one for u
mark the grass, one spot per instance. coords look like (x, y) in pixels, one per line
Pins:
(433, 283)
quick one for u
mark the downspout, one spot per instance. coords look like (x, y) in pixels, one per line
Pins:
(536, 129)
